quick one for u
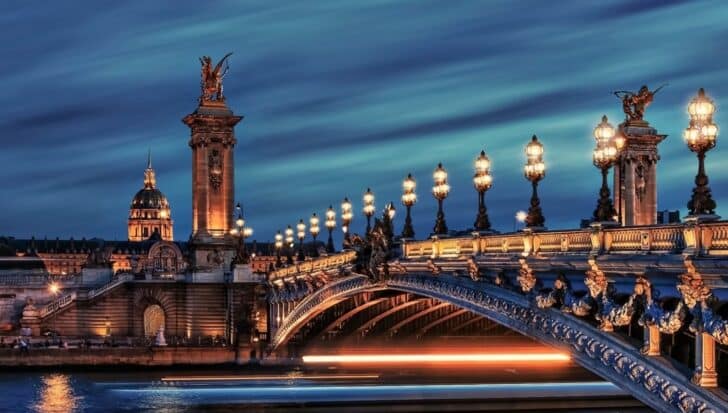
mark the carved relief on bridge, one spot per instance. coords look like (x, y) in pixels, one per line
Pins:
(526, 278)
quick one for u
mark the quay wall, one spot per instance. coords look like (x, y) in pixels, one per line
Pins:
(149, 356)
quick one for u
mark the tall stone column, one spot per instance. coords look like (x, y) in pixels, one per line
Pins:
(212, 141)
(635, 178)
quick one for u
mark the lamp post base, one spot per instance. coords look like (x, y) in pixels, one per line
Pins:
(604, 224)
(701, 218)
(534, 229)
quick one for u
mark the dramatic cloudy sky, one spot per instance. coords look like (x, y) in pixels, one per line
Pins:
(337, 97)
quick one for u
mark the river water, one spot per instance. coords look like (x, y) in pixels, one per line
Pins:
(279, 390)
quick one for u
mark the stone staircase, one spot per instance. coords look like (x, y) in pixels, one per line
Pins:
(66, 299)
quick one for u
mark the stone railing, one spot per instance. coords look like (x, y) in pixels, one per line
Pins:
(708, 238)
(317, 264)
(66, 299)
(57, 304)
(121, 279)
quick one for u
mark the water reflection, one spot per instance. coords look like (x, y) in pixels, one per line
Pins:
(56, 395)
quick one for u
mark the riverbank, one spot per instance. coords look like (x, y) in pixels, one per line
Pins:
(124, 356)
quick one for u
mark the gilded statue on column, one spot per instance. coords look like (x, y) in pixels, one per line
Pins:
(635, 103)
(211, 79)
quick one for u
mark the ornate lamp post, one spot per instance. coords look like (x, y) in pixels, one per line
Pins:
(604, 156)
(534, 171)
(700, 137)
(301, 233)
(289, 245)
(314, 230)
(346, 217)
(482, 182)
(409, 198)
(242, 232)
(368, 208)
(279, 245)
(330, 225)
(440, 191)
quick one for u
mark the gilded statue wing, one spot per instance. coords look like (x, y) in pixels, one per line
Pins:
(218, 67)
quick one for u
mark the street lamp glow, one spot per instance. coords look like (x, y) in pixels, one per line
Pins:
(330, 217)
(53, 288)
(314, 228)
(301, 228)
(368, 199)
(369, 208)
(521, 216)
(390, 210)
(409, 185)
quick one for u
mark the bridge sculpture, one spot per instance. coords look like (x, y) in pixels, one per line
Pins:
(569, 289)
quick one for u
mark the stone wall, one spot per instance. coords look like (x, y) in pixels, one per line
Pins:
(154, 356)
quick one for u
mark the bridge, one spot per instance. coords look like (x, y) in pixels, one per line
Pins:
(614, 298)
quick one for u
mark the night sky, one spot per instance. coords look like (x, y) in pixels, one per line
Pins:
(339, 97)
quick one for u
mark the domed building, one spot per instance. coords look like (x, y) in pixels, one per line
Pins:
(149, 213)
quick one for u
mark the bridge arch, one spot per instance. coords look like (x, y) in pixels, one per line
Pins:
(653, 382)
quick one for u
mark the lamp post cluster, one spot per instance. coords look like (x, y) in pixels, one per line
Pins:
(608, 146)
(700, 137)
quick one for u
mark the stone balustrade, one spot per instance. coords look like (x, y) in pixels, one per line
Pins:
(56, 305)
(710, 238)
(316, 264)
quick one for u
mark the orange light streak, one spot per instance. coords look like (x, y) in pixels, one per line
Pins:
(436, 358)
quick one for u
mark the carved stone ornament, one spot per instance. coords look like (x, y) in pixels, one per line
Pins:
(526, 278)
(434, 268)
(668, 322)
(473, 269)
(215, 168)
(691, 286)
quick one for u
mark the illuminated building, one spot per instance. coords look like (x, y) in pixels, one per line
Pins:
(149, 214)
